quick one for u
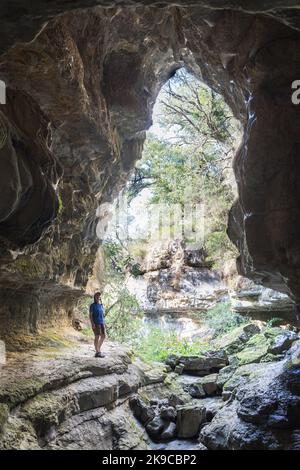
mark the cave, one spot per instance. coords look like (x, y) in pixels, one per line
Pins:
(81, 80)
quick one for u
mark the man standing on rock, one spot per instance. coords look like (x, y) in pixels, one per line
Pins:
(97, 322)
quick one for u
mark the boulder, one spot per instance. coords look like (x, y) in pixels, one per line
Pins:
(155, 427)
(264, 409)
(200, 388)
(212, 407)
(175, 400)
(209, 384)
(201, 365)
(141, 410)
(235, 340)
(168, 413)
(269, 341)
(282, 342)
(224, 375)
(195, 390)
(169, 432)
(242, 375)
(189, 419)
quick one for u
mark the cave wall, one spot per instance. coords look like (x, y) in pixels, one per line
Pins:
(79, 98)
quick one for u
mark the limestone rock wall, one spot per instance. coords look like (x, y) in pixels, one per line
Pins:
(177, 280)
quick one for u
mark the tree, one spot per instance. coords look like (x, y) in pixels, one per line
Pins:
(186, 162)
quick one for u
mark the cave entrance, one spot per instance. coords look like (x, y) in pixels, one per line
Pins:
(166, 252)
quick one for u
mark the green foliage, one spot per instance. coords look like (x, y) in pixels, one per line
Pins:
(118, 260)
(83, 305)
(122, 310)
(275, 321)
(60, 204)
(186, 166)
(222, 319)
(123, 317)
(157, 344)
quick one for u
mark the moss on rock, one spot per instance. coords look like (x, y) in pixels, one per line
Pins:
(4, 413)
(19, 392)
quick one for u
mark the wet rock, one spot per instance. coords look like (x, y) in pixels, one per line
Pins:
(155, 427)
(203, 364)
(189, 419)
(175, 400)
(282, 342)
(226, 395)
(200, 388)
(242, 375)
(169, 432)
(263, 412)
(141, 410)
(235, 340)
(195, 390)
(212, 407)
(224, 375)
(168, 413)
(262, 346)
(209, 384)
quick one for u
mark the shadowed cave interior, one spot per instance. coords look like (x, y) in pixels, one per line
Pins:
(81, 83)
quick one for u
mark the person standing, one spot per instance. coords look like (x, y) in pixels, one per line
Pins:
(98, 324)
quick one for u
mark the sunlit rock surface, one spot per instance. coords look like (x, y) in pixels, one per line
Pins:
(64, 398)
(261, 303)
(176, 279)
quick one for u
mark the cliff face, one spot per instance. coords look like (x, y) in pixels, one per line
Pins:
(79, 97)
(177, 280)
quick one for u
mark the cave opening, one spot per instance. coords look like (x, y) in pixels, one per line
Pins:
(167, 255)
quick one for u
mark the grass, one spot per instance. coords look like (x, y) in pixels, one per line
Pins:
(222, 319)
(157, 345)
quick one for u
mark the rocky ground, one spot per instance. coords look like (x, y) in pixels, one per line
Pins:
(243, 394)
(64, 398)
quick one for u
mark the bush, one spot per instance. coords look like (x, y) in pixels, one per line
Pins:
(222, 319)
(274, 321)
(123, 317)
(157, 344)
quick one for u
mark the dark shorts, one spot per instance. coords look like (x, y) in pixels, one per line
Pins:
(99, 330)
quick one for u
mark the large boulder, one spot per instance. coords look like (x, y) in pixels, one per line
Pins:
(282, 341)
(155, 427)
(204, 364)
(235, 340)
(264, 346)
(143, 412)
(189, 419)
(200, 388)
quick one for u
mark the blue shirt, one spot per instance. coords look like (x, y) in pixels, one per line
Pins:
(97, 312)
